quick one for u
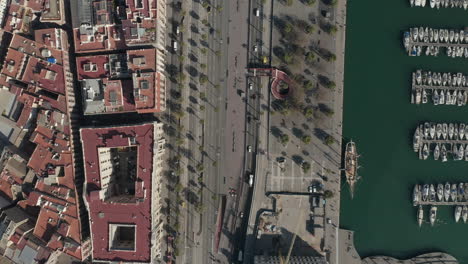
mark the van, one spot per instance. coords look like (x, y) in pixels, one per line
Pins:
(174, 45)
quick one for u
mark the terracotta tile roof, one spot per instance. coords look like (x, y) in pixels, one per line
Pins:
(92, 67)
(45, 75)
(103, 213)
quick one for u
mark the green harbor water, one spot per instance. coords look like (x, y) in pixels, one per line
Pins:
(378, 116)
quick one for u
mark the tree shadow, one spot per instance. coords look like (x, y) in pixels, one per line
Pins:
(194, 29)
(192, 71)
(276, 132)
(297, 159)
(320, 133)
(192, 57)
(192, 42)
(193, 86)
(194, 15)
(297, 132)
(193, 99)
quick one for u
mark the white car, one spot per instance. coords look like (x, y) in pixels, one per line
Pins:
(251, 178)
(250, 86)
(257, 12)
(249, 148)
(255, 48)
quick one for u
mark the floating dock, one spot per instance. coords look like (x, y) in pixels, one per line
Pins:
(429, 41)
(439, 88)
(443, 140)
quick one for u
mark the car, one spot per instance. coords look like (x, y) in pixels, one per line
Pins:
(251, 178)
(255, 48)
(257, 12)
(249, 148)
(241, 215)
(177, 30)
(250, 86)
(174, 45)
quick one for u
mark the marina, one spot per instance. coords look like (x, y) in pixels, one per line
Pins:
(439, 88)
(441, 194)
(440, 3)
(430, 41)
(381, 204)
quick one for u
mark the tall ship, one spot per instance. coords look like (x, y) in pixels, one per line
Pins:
(351, 165)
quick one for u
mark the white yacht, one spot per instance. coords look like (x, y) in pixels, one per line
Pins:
(455, 152)
(416, 194)
(450, 130)
(444, 130)
(465, 213)
(420, 216)
(453, 193)
(436, 152)
(443, 153)
(425, 152)
(447, 192)
(425, 192)
(435, 97)
(432, 131)
(417, 140)
(433, 215)
(432, 193)
(461, 131)
(440, 192)
(458, 211)
(427, 128)
(438, 130)
(461, 151)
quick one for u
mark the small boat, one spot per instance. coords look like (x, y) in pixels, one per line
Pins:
(458, 211)
(427, 128)
(416, 194)
(460, 98)
(451, 128)
(425, 192)
(432, 131)
(443, 153)
(435, 97)
(447, 192)
(421, 33)
(442, 97)
(438, 130)
(455, 131)
(455, 151)
(418, 76)
(461, 192)
(466, 152)
(425, 152)
(461, 131)
(424, 97)
(412, 3)
(417, 140)
(444, 130)
(461, 152)
(465, 213)
(433, 215)
(415, 34)
(437, 152)
(420, 215)
(453, 192)
(440, 192)
(432, 193)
